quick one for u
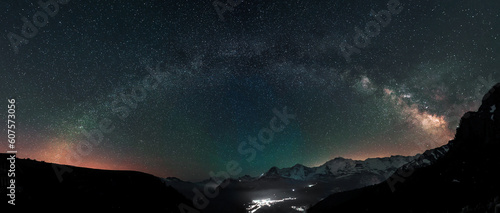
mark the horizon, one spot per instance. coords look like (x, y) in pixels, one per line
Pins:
(114, 169)
(183, 89)
(310, 166)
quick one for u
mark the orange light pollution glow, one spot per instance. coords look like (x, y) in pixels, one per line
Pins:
(432, 128)
(59, 151)
(430, 131)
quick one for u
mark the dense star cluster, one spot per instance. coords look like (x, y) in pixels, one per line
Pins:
(171, 88)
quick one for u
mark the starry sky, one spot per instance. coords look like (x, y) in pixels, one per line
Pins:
(178, 88)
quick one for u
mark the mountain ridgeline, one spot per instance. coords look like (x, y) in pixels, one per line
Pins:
(45, 186)
(461, 176)
(302, 185)
(465, 178)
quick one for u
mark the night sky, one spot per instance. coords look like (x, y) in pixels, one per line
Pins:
(178, 89)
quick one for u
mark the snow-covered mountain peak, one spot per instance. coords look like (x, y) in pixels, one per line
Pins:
(339, 167)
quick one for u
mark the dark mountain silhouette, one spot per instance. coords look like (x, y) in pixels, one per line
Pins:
(461, 176)
(304, 185)
(39, 188)
(464, 179)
